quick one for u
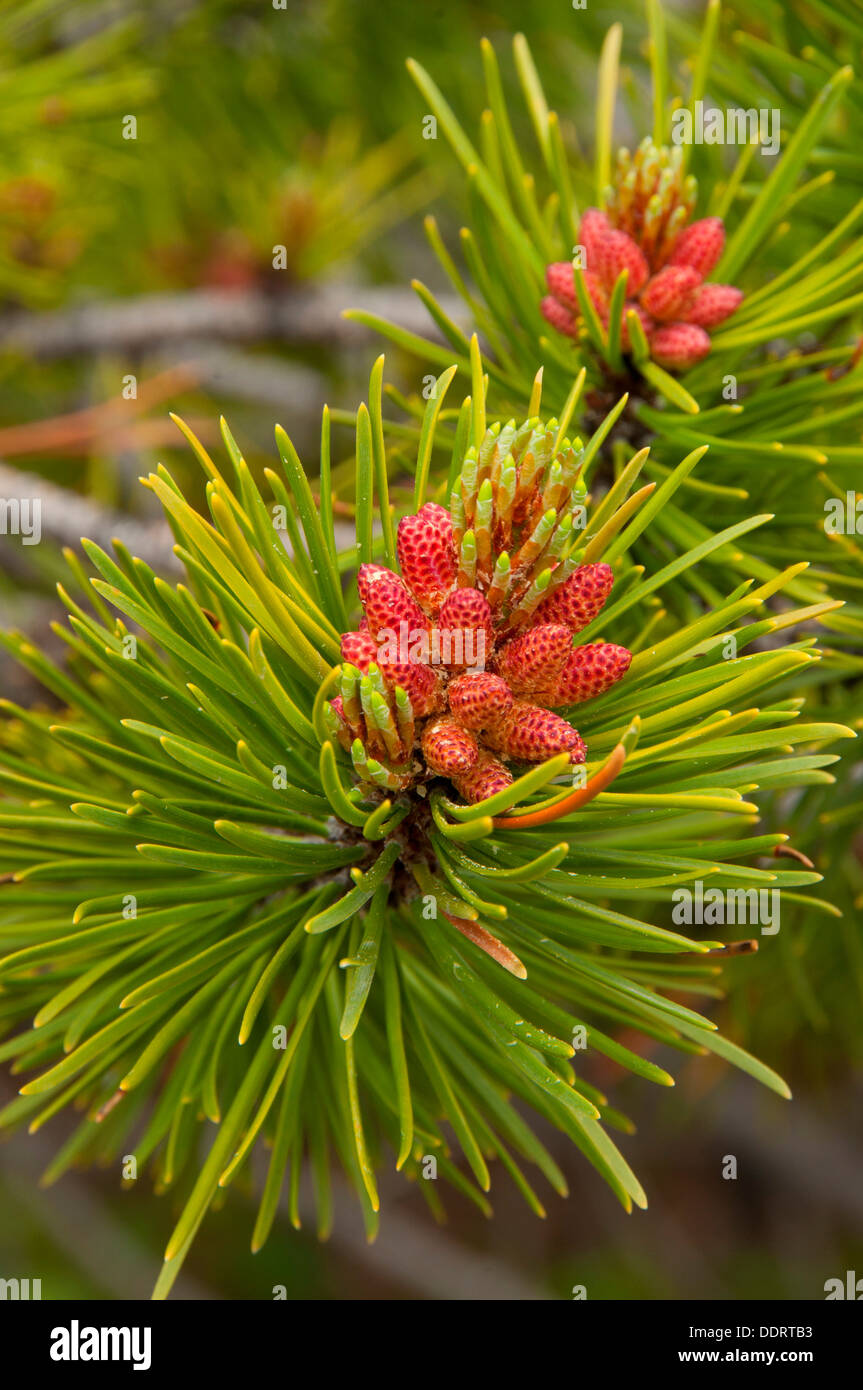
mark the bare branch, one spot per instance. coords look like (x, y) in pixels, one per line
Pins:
(298, 317)
(66, 517)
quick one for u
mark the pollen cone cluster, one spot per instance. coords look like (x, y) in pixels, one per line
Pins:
(459, 662)
(645, 230)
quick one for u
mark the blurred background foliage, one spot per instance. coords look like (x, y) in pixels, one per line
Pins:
(278, 174)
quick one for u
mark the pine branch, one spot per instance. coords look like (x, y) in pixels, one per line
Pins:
(214, 909)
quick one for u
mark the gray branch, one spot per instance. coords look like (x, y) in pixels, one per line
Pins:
(66, 516)
(298, 317)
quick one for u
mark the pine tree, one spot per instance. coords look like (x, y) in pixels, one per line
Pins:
(215, 915)
(768, 384)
